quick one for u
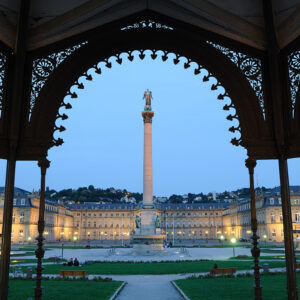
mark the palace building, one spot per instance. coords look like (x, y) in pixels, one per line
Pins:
(103, 222)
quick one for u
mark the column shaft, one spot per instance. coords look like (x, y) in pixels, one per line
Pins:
(148, 179)
(6, 228)
(288, 230)
(255, 251)
(39, 252)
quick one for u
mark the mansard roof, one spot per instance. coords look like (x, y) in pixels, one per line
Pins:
(164, 206)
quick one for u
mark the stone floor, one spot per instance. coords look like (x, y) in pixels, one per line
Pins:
(148, 287)
(123, 254)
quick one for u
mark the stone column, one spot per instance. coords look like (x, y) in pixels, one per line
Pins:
(148, 180)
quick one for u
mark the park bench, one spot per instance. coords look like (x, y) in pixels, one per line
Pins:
(297, 265)
(224, 271)
(65, 273)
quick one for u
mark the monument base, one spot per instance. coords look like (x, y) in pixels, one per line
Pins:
(151, 244)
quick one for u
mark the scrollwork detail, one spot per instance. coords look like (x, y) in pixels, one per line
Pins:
(3, 61)
(43, 67)
(251, 67)
(147, 24)
(294, 75)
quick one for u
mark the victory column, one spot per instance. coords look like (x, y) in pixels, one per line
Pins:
(148, 239)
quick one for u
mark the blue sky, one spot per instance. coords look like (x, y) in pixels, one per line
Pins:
(191, 142)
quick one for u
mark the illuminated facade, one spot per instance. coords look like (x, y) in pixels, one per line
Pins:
(58, 220)
(101, 222)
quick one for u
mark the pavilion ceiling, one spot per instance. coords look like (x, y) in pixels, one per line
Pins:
(55, 20)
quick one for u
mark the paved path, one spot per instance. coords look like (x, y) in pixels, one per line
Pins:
(148, 287)
(124, 254)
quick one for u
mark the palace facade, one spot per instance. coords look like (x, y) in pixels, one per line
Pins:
(94, 221)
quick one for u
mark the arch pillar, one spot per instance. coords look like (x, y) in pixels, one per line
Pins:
(44, 164)
(255, 251)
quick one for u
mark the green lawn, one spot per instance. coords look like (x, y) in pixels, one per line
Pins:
(16, 261)
(107, 268)
(280, 257)
(16, 254)
(61, 290)
(274, 288)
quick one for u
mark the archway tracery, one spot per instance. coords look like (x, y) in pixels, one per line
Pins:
(220, 62)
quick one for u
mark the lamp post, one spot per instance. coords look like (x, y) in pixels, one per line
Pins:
(62, 250)
(74, 239)
(173, 232)
(222, 239)
(122, 230)
(233, 241)
(265, 238)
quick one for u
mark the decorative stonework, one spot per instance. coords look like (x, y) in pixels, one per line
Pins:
(147, 116)
(251, 67)
(164, 55)
(42, 68)
(147, 24)
(294, 75)
(3, 61)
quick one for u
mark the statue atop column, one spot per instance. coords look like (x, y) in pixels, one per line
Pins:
(148, 97)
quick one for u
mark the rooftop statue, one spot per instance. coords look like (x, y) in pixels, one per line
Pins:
(148, 97)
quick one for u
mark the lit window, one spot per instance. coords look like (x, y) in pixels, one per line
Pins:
(272, 218)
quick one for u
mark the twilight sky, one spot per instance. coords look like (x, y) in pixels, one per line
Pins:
(191, 142)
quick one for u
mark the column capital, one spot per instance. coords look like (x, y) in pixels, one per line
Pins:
(44, 164)
(250, 163)
(147, 116)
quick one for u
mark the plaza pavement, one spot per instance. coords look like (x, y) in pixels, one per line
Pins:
(124, 254)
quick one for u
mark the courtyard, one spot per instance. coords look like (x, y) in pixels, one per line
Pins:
(184, 268)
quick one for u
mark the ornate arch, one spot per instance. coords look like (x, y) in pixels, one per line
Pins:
(249, 111)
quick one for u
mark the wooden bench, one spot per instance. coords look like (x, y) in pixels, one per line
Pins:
(297, 265)
(65, 273)
(224, 271)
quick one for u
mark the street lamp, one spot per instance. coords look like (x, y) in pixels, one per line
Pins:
(265, 238)
(222, 239)
(74, 239)
(233, 241)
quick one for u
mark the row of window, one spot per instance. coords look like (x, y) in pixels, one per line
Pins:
(104, 215)
(132, 215)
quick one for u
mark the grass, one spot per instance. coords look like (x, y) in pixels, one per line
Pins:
(14, 261)
(31, 253)
(31, 248)
(238, 257)
(130, 268)
(63, 289)
(274, 288)
(264, 257)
